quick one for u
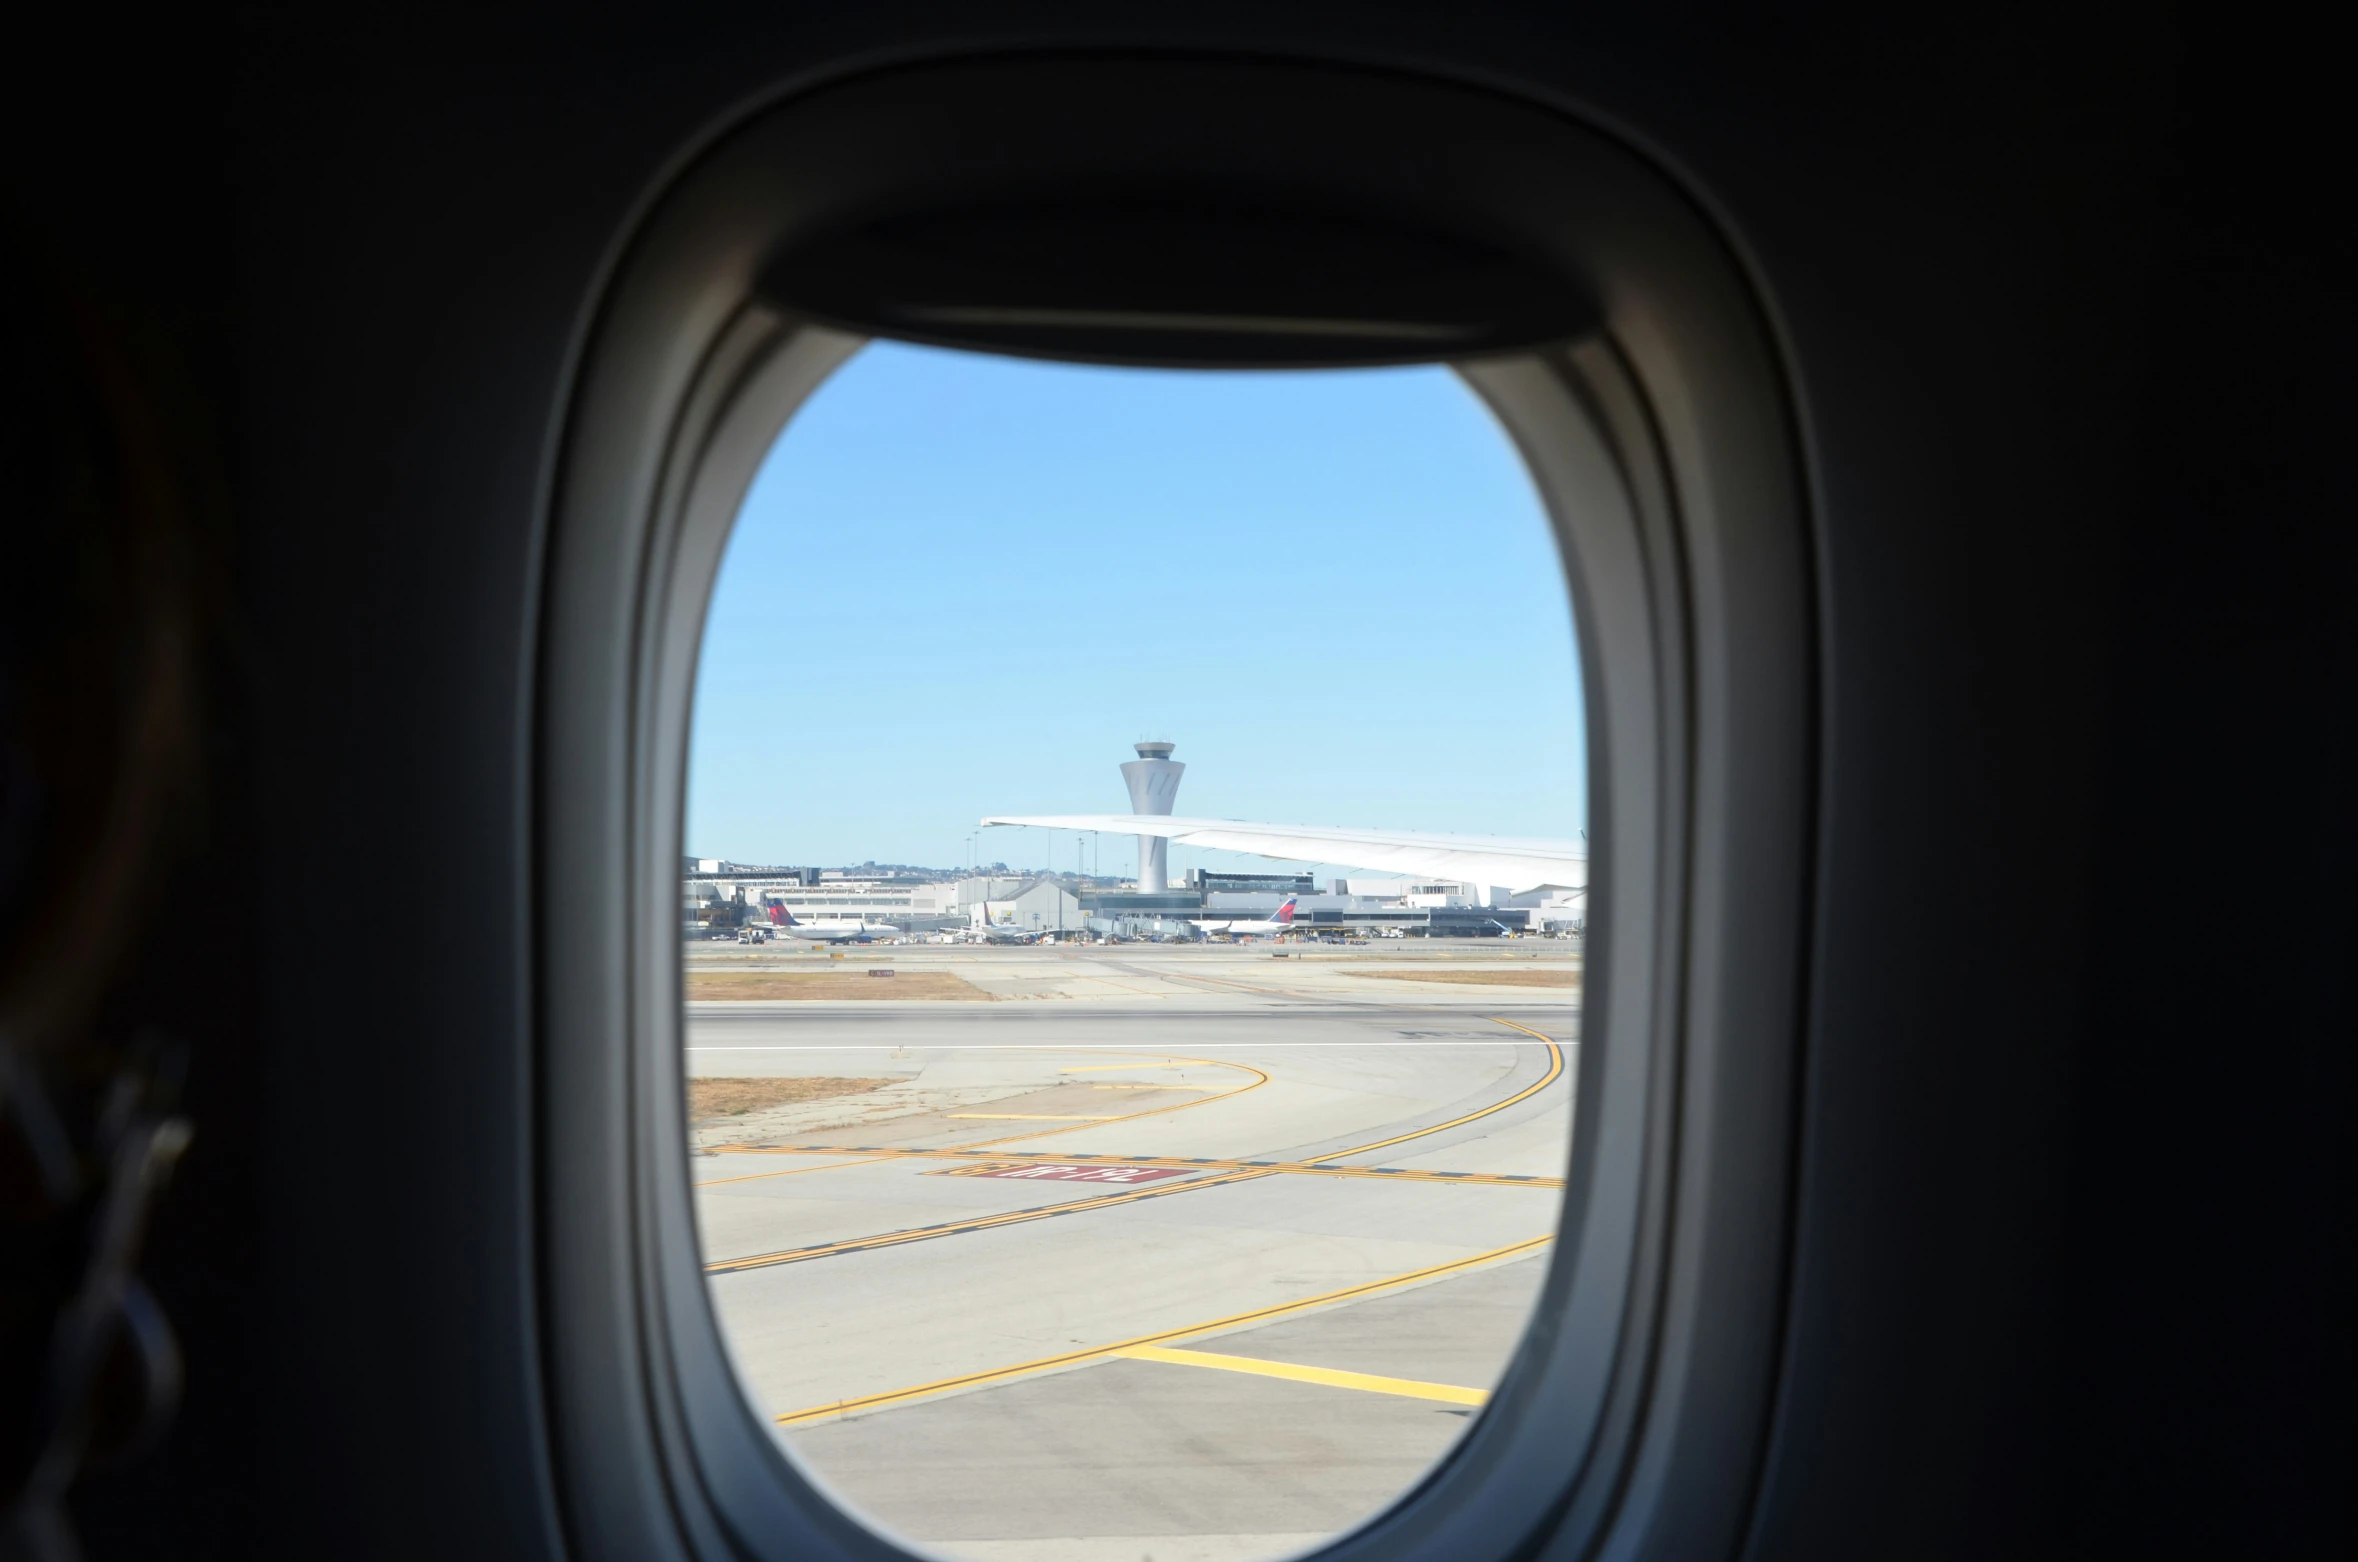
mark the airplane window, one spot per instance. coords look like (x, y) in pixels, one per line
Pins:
(1156, 1146)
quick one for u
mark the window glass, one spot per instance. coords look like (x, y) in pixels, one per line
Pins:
(1169, 1175)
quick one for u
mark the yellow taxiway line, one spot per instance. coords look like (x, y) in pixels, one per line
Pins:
(993, 1375)
(1246, 1173)
(1448, 1393)
(1260, 1078)
(1035, 1117)
(947, 1228)
(865, 1160)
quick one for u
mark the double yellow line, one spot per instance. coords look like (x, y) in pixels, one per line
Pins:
(1013, 1217)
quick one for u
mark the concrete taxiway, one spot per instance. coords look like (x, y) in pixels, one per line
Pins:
(1213, 1269)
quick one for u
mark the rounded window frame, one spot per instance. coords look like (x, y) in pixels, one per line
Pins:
(1662, 442)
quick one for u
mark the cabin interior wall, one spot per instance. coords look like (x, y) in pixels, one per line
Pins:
(2203, 1350)
(115, 202)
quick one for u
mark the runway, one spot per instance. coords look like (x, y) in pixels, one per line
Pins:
(1206, 1277)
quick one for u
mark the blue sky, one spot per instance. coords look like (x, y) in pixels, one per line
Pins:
(965, 584)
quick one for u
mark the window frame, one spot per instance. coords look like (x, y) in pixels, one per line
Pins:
(1663, 443)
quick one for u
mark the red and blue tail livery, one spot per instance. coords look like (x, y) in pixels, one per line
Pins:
(1277, 922)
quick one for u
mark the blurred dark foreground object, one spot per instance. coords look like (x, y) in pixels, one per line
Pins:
(98, 724)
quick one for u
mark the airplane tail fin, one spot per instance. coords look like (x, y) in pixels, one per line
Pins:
(1285, 913)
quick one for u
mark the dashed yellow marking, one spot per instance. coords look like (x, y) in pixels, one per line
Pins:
(1448, 1393)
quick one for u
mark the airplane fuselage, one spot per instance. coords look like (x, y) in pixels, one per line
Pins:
(835, 932)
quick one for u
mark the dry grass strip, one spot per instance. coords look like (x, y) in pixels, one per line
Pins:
(749, 986)
(735, 1097)
(1526, 976)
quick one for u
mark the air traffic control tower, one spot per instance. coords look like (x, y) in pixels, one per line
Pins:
(1153, 779)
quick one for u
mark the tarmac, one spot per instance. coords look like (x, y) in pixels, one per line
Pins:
(1190, 1254)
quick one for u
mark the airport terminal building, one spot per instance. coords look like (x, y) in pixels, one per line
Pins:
(920, 903)
(916, 906)
(1349, 907)
(824, 896)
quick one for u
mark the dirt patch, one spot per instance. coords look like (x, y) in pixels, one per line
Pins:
(1530, 976)
(832, 986)
(709, 1098)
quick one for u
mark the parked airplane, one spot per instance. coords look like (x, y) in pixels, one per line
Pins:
(1003, 933)
(1282, 921)
(784, 923)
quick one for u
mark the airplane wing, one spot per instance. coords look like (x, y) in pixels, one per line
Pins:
(1513, 862)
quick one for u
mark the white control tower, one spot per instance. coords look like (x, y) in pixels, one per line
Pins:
(1153, 779)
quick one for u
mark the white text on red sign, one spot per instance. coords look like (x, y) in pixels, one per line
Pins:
(1067, 1173)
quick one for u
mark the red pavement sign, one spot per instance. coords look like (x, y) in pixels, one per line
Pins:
(1062, 1172)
